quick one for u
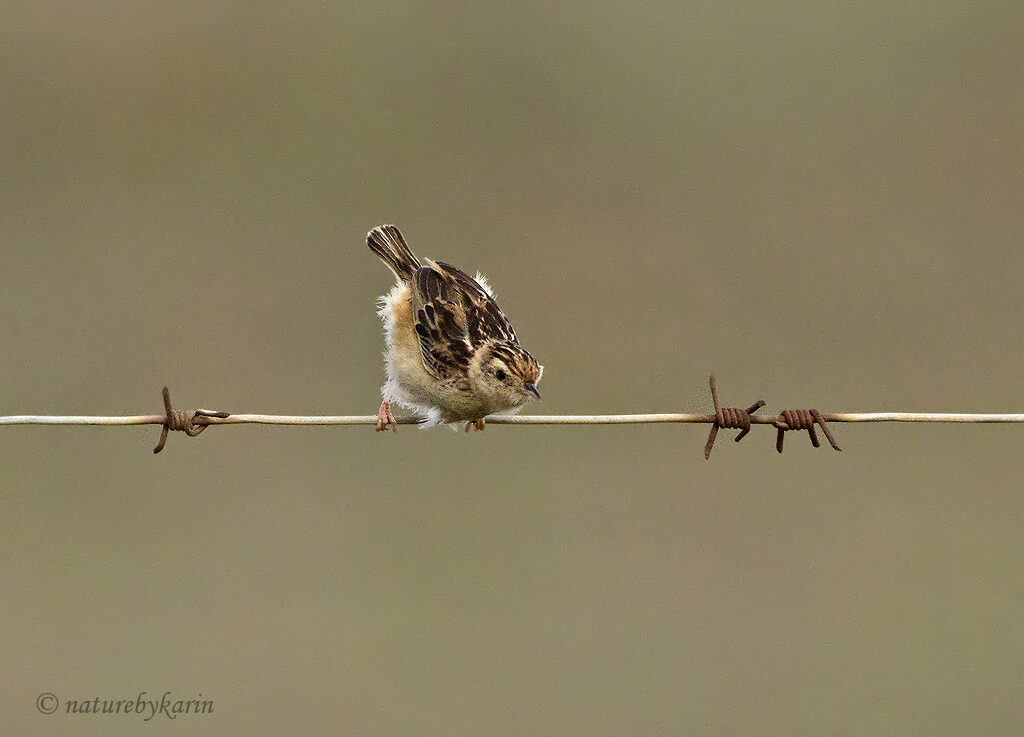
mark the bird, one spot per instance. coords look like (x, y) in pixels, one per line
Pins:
(451, 354)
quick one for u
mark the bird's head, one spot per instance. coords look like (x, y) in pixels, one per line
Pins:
(506, 374)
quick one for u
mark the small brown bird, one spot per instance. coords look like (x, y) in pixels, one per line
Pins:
(452, 355)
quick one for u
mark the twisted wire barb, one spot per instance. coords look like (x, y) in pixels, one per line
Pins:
(802, 419)
(190, 422)
(731, 417)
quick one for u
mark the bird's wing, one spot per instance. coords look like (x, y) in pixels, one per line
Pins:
(454, 316)
(440, 321)
(484, 319)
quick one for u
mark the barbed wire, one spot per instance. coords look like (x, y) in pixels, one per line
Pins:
(193, 422)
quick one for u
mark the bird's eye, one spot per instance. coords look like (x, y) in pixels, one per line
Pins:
(500, 374)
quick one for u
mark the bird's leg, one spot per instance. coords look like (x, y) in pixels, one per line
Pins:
(384, 418)
(477, 424)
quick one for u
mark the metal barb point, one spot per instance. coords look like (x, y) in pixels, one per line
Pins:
(728, 418)
(802, 419)
(188, 421)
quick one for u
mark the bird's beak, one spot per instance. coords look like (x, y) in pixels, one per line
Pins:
(532, 388)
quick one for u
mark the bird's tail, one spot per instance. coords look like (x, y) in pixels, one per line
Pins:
(387, 242)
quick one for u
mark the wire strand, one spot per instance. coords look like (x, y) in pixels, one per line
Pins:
(611, 419)
(193, 422)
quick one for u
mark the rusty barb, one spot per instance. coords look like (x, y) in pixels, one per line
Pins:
(735, 418)
(730, 418)
(190, 422)
(802, 419)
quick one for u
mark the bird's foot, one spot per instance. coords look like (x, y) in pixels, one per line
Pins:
(477, 424)
(385, 418)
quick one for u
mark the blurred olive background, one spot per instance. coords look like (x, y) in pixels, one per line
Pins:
(821, 202)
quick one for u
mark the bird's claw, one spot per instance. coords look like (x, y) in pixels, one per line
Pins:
(385, 418)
